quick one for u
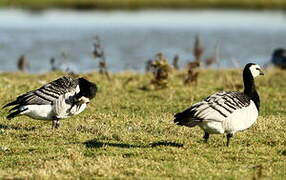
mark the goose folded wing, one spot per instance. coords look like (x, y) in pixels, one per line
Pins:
(216, 107)
(48, 93)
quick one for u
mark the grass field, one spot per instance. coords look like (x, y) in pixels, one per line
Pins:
(128, 133)
(140, 4)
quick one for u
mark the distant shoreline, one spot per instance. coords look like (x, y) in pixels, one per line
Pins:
(145, 4)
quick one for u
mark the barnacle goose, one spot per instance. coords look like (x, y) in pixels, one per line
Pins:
(61, 98)
(225, 112)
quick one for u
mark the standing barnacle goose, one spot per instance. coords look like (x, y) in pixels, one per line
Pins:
(225, 112)
(56, 100)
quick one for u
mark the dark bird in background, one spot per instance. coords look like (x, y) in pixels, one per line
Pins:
(176, 62)
(279, 58)
(225, 112)
(23, 64)
(59, 99)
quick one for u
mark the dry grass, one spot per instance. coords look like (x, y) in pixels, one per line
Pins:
(128, 133)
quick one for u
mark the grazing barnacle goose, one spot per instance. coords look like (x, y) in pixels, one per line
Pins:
(56, 100)
(225, 112)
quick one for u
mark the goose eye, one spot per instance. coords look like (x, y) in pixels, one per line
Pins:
(257, 69)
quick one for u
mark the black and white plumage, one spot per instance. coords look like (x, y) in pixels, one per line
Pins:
(56, 100)
(225, 112)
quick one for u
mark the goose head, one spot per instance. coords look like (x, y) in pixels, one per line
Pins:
(87, 90)
(253, 69)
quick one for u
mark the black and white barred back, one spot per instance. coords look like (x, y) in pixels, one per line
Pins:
(48, 93)
(219, 104)
(226, 102)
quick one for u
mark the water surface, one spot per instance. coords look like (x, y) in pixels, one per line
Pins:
(130, 38)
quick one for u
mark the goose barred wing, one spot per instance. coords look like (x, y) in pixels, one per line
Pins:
(48, 93)
(214, 108)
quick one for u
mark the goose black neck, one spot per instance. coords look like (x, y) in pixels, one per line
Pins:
(249, 88)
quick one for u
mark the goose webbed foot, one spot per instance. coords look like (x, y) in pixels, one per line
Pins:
(228, 136)
(206, 137)
(55, 124)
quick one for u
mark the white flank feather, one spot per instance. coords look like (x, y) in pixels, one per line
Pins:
(41, 112)
(241, 119)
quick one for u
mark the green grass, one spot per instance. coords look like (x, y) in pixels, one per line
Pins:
(140, 4)
(128, 133)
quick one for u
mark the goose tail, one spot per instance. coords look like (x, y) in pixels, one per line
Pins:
(10, 104)
(182, 120)
(15, 112)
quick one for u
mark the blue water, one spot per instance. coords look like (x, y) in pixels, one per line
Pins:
(130, 38)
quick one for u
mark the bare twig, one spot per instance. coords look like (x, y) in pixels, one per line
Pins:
(235, 63)
(53, 64)
(215, 58)
(176, 62)
(198, 49)
(23, 64)
(98, 52)
(148, 66)
(193, 73)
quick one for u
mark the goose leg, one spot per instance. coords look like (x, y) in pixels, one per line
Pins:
(206, 137)
(55, 124)
(228, 136)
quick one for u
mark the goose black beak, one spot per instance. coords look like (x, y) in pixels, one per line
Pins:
(261, 72)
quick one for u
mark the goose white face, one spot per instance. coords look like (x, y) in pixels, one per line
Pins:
(256, 70)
